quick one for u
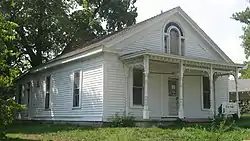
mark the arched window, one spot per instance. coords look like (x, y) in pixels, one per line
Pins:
(173, 39)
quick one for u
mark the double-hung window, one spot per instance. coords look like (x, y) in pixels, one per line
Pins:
(28, 93)
(20, 94)
(47, 92)
(138, 87)
(206, 93)
(76, 88)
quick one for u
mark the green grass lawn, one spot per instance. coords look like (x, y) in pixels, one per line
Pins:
(190, 132)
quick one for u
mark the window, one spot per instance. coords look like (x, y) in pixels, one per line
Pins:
(20, 93)
(47, 92)
(28, 92)
(172, 87)
(206, 93)
(173, 39)
(174, 42)
(138, 94)
(76, 89)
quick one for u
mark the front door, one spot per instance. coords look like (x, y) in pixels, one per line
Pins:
(173, 97)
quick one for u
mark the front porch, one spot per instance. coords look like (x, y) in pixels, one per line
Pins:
(178, 87)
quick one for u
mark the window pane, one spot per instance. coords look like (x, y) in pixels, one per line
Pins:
(47, 94)
(28, 92)
(206, 93)
(47, 83)
(174, 42)
(137, 77)
(76, 101)
(172, 88)
(47, 101)
(166, 43)
(206, 100)
(20, 94)
(182, 47)
(76, 79)
(137, 96)
(76, 91)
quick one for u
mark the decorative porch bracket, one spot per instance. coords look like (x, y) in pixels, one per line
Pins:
(181, 104)
(146, 72)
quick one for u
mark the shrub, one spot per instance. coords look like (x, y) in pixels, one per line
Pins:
(245, 107)
(122, 121)
(8, 108)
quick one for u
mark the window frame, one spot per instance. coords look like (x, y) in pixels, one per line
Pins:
(132, 86)
(45, 88)
(202, 95)
(166, 33)
(28, 90)
(80, 88)
(20, 93)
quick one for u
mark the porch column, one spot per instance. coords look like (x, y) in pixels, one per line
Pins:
(236, 90)
(146, 72)
(211, 91)
(181, 109)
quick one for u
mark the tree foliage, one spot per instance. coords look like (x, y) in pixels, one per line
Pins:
(48, 28)
(8, 71)
(8, 56)
(244, 17)
(8, 110)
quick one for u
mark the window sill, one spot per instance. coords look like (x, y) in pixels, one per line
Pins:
(136, 107)
(202, 109)
(76, 108)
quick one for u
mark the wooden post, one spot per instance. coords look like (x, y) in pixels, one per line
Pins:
(211, 91)
(181, 109)
(236, 89)
(146, 72)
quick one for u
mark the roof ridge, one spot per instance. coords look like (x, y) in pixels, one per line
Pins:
(117, 33)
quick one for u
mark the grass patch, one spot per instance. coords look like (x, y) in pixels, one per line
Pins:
(187, 132)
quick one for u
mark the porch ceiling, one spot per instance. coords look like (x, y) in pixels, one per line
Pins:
(187, 62)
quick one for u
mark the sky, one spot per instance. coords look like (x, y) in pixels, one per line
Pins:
(213, 16)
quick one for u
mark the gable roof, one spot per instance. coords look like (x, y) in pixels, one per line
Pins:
(205, 36)
(131, 30)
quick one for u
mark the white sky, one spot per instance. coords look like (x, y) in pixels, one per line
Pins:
(213, 16)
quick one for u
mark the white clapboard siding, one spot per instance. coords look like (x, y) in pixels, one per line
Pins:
(144, 40)
(61, 106)
(221, 91)
(192, 98)
(114, 87)
(151, 38)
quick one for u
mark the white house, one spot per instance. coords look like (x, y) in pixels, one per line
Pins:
(243, 89)
(164, 67)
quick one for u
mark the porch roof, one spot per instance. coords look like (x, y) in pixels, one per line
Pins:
(188, 61)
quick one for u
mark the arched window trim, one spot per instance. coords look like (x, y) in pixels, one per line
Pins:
(167, 34)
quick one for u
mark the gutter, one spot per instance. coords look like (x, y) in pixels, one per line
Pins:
(124, 57)
(62, 61)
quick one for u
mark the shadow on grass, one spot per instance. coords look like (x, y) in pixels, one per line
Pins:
(244, 121)
(36, 128)
(18, 139)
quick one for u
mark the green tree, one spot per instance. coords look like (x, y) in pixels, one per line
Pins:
(9, 68)
(48, 28)
(8, 71)
(244, 17)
